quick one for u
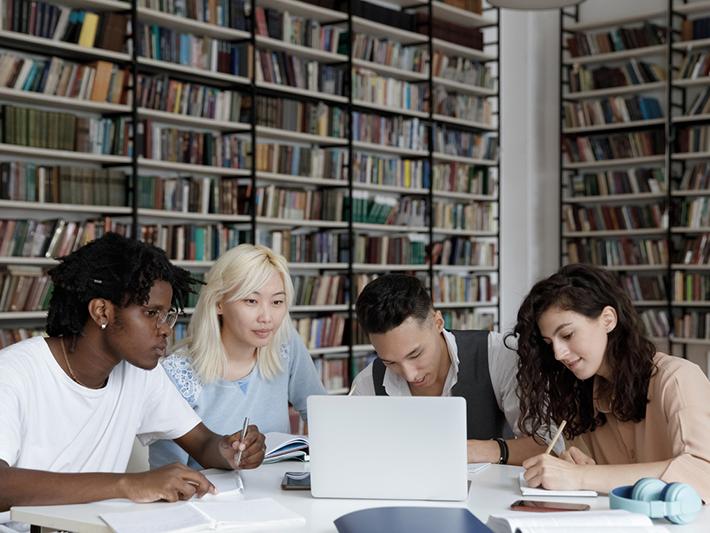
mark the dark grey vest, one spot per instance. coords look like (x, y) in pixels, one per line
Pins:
(484, 419)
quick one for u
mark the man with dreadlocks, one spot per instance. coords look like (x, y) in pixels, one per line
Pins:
(72, 403)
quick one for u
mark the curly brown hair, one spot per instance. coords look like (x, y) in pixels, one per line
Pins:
(548, 391)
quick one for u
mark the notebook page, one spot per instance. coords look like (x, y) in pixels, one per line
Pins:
(511, 521)
(526, 490)
(250, 513)
(169, 518)
(276, 442)
(228, 483)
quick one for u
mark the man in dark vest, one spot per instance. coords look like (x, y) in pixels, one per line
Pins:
(418, 357)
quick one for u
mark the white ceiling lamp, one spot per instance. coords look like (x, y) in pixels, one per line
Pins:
(534, 4)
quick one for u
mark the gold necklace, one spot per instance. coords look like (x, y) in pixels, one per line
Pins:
(66, 360)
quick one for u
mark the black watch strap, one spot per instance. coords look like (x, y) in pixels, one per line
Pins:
(503, 451)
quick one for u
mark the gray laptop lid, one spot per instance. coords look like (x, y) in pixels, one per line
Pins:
(388, 447)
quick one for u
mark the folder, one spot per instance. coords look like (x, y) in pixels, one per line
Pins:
(411, 520)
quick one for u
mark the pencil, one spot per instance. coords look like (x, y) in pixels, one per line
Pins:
(557, 436)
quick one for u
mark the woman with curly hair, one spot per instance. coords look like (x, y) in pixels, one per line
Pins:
(636, 412)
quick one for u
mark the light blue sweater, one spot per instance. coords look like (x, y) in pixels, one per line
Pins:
(222, 405)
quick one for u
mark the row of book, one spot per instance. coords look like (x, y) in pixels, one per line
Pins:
(618, 252)
(374, 208)
(462, 106)
(166, 143)
(613, 217)
(26, 181)
(462, 70)
(466, 144)
(479, 288)
(693, 213)
(693, 139)
(408, 249)
(228, 13)
(296, 160)
(582, 44)
(463, 251)
(390, 171)
(610, 110)
(64, 131)
(397, 131)
(634, 72)
(196, 51)
(696, 177)
(62, 23)
(613, 146)
(696, 64)
(693, 29)
(10, 336)
(325, 289)
(700, 104)
(462, 177)
(298, 204)
(477, 216)
(634, 252)
(24, 288)
(384, 51)
(692, 325)
(321, 332)
(163, 93)
(99, 81)
(297, 30)
(369, 86)
(469, 319)
(644, 287)
(655, 322)
(194, 242)
(303, 246)
(194, 194)
(691, 286)
(281, 68)
(304, 117)
(52, 238)
(333, 373)
(631, 181)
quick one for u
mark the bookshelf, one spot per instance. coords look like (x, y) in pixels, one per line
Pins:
(353, 146)
(663, 267)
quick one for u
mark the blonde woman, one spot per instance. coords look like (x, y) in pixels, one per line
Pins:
(242, 356)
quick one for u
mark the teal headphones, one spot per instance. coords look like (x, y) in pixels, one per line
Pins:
(677, 502)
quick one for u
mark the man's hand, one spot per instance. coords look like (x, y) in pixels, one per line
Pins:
(552, 473)
(253, 448)
(170, 483)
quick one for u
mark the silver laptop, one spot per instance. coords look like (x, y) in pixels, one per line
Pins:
(387, 447)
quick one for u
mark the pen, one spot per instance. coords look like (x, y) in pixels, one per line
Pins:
(241, 440)
(557, 436)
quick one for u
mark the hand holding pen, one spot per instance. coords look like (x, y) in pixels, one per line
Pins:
(244, 449)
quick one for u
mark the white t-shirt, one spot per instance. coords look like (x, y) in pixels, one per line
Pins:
(49, 422)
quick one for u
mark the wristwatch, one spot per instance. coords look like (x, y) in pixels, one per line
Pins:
(503, 451)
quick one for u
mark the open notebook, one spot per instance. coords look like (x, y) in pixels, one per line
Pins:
(616, 521)
(198, 515)
(282, 446)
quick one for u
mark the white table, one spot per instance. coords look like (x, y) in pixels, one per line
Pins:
(492, 491)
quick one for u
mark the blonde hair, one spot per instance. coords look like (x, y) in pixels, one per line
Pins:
(237, 273)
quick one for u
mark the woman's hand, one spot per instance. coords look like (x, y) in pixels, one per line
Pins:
(577, 456)
(552, 473)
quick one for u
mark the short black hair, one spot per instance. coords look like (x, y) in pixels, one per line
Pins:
(390, 300)
(113, 267)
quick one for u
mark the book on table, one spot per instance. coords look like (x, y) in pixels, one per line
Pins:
(283, 446)
(616, 521)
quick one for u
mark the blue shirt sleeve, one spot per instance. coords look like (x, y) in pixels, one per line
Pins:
(303, 380)
(179, 370)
